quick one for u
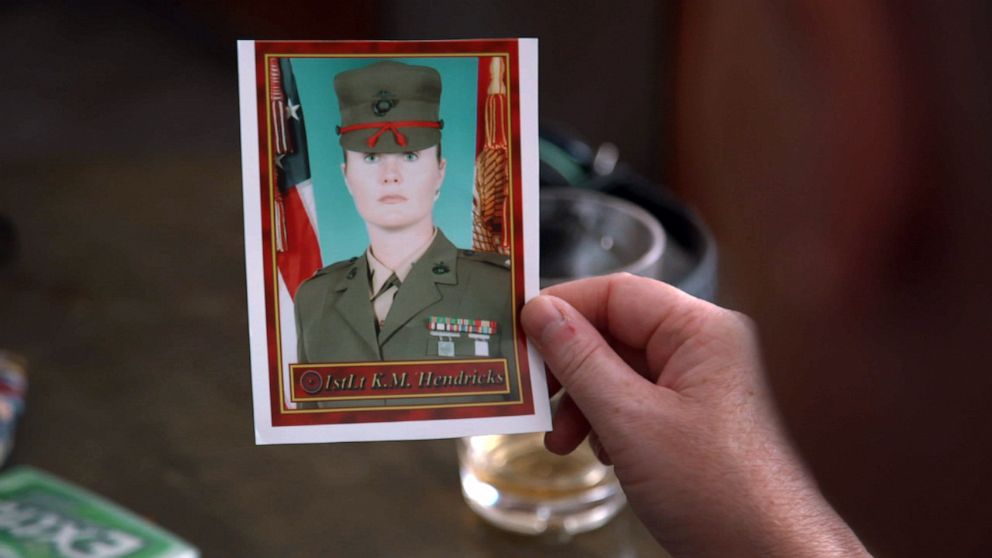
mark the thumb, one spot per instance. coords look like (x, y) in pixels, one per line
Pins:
(596, 378)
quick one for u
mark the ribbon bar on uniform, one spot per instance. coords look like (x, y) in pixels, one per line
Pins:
(461, 325)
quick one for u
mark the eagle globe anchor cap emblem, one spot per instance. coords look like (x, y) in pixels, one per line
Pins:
(383, 103)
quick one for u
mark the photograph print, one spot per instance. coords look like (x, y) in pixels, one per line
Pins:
(391, 238)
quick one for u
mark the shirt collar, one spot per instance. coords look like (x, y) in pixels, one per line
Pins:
(379, 272)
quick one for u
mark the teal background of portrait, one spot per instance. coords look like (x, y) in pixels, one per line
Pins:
(342, 231)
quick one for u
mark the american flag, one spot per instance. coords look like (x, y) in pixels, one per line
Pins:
(296, 219)
(297, 244)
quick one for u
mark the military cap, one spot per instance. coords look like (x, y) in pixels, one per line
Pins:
(389, 107)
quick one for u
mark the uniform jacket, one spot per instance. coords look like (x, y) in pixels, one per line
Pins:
(335, 321)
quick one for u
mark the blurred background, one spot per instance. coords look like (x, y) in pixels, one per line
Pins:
(839, 152)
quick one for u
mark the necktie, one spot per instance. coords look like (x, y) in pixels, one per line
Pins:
(383, 299)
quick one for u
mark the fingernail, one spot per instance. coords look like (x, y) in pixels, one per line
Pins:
(551, 445)
(599, 451)
(541, 318)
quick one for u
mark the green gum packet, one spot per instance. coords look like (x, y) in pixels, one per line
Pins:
(42, 516)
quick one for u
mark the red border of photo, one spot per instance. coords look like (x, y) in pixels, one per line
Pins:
(391, 48)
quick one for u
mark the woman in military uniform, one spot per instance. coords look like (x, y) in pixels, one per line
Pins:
(411, 295)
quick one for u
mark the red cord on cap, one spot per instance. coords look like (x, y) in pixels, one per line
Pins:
(393, 127)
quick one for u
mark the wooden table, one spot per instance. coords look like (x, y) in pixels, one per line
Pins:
(128, 299)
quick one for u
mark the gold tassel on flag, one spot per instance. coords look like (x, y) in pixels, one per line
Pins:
(490, 221)
(282, 143)
(280, 223)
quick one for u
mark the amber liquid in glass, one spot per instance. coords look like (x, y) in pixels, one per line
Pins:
(515, 483)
